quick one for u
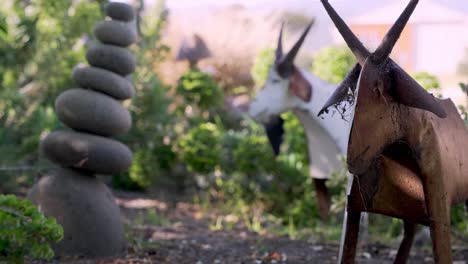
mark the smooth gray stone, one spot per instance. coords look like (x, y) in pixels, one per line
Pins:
(90, 111)
(120, 11)
(87, 211)
(115, 32)
(85, 151)
(103, 81)
(117, 59)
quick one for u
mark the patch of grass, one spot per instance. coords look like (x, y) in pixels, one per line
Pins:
(138, 230)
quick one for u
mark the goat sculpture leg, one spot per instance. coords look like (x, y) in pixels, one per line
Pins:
(323, 198)
(406, 243)
(439, 218)
(391, 188)
(348, 253)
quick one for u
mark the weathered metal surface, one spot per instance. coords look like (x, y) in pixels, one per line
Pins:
(405, 147)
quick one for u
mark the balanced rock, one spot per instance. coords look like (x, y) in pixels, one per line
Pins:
(117, 59)
(103, 81)
(120, 11)
(85, 208)
(85, 151)
(90, 111)
(115, 32)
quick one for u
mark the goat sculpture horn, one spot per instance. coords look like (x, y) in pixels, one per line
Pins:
(386, 46)
(279, 48)
(286, 64)
(358, 49)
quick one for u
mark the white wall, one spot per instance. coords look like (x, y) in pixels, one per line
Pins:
(440, 47)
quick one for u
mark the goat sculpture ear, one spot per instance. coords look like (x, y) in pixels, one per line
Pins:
(408, 92)
(341, 92)
(300, 86)
(404, 89)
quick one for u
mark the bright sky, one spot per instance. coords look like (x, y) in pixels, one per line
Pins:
(291, 3)
(198, 3)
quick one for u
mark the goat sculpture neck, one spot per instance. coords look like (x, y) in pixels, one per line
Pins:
(336, 127)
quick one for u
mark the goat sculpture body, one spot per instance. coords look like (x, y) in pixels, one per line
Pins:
(290, 88)
(406, 148)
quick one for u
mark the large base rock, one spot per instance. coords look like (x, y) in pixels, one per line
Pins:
(85, 208)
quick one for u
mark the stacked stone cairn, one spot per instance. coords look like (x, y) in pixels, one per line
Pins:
(80, 202)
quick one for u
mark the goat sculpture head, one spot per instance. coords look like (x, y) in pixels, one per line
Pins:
(285, 86)
(382, 92)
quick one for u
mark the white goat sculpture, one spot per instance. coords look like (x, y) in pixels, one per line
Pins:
(291, 88)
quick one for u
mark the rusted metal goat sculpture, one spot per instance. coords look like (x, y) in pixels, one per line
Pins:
(406, 149)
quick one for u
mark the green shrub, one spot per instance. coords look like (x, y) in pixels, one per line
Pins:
(463, 108)
(230, 141)
(40, 43)
(295, 140)
(464, 88)
(458, 219)
(427, 80)
(201, 148)
(261, 67)
(459, 212)
(253, 155)
(144, 168)
(200, 89)
(152, 134)
(24, 231)
(333, 63)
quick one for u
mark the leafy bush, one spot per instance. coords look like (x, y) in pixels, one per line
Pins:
(253, 155)
(427, 80)
(200, 89)
(464, 88)
(262, 65)
(333, 63)
(40, 43)
(152, 134)
(295, 141)
(464, 108)
(200, 148)
(24, 231)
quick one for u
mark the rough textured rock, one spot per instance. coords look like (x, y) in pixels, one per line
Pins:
(88, 152)
(90, 111)
(115, 32)
(85, 208)
(120, 11)
(81, 203)
(103, 81)
(117, 59)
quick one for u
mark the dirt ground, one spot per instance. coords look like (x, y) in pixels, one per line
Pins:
(180, 233)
